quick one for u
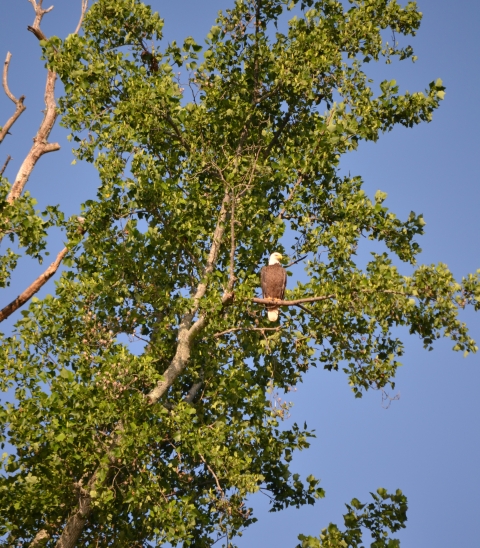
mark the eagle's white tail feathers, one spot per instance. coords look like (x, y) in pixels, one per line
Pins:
(273, 314)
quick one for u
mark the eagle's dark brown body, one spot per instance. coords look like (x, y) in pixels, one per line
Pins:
(274, 281)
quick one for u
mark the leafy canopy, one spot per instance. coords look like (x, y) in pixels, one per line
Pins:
(210, 158)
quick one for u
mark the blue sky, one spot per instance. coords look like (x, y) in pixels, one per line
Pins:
(427, 442)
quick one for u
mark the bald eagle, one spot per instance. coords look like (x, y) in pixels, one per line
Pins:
(274, 281)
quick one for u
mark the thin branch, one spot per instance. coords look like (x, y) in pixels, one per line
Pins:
(290, 196)
(84, 9)
(233, 329)
(297, 261)
(18, 102)
(305, 309)
(279, 302)
(5, 165)
(278, 133)
(33, 288)
(232, 280)
(214, 475)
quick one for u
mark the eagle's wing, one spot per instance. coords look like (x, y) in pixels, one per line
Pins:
(263, 281)
(284, 283)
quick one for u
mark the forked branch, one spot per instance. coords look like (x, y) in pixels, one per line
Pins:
(18, 102)
(39, 13)
(33, 288)
(41, 145)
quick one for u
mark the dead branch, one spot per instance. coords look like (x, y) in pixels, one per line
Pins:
(18, 102)
(33, 288)
(84, 9)
(40, 144)
(39, 13)
(7, 161)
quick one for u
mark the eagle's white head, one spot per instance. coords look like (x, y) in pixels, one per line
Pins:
(275, 258)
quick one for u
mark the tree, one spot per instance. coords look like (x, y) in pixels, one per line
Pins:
(198, 185)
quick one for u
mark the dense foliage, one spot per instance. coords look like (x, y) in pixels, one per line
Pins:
(210, 158)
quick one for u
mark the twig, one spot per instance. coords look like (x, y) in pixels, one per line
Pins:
(33, 288)
(214, 475)
(297, 261)
(297, 182)
(84, 9)
(277, 134)
(305, 309)
(18, 102)
(5, 164)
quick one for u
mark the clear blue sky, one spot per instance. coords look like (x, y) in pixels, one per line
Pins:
(427, 443)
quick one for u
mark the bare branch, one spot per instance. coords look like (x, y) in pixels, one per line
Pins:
(233, 329)
(297, 261)
(39, 13)
(18, 102)
(40, 144)
(7, 161)
(84, 9)
(279, 302)
(33, 288)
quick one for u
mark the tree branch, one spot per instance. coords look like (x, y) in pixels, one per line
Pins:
(18, 102)
(278, 133)
(189, 329)
(279, 302)
(40, 144)
(39, 13)
(84, 9)
(40, 538)
(33, 288)
(233, 329)
(290, 196)
(7, 161)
